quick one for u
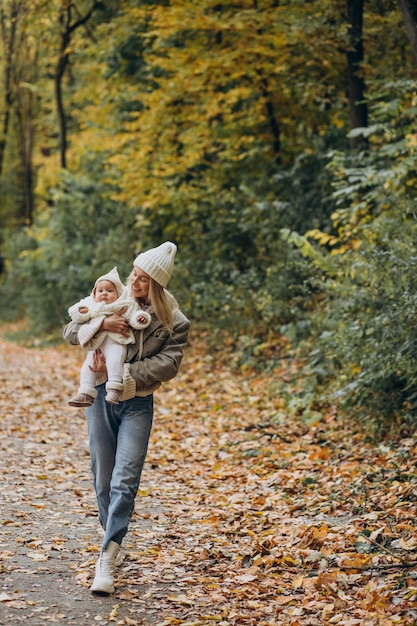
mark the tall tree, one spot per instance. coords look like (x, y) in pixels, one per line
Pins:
(9, 23)
(21, 74)
(26, 110)
(355, 56)
(67, 28)
(409, 11)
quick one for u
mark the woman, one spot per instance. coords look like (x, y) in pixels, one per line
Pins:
(119, 434)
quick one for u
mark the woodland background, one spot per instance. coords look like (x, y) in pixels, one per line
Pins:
(274, 141)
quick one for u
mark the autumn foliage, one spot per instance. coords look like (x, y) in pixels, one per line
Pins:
(274, 142)
(245, 515)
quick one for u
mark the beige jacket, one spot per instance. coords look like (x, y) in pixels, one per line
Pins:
(154, 358)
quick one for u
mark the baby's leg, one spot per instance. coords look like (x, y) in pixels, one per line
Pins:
(87, 390)
(115, 355)
(87, 377)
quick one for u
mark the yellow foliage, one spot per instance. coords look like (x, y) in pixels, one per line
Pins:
(211, 104)
(322, 238)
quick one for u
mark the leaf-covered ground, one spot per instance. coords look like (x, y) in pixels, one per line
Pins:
(245, 515)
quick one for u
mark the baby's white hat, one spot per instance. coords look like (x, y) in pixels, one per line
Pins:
(158, 262)
(113, 277)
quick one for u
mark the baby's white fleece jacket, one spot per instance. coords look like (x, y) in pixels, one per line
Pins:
(89, 336)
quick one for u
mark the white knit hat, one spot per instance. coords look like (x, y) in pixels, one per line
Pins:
(114, 278)
(158, 262)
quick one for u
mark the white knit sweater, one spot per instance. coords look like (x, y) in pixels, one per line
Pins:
(88, 335)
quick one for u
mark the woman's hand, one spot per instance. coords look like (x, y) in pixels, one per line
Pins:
(116, 323)
(99, 363)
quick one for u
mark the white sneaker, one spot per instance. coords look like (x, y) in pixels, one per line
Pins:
(104, 578)
(120, 557)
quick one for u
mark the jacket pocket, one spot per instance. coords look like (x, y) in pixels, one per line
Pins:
(154, 342)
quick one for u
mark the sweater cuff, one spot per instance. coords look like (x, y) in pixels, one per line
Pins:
(129, 384)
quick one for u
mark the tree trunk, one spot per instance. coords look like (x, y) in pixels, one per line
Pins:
(409, 11)
(24, 117)
(269, 103)
(9, 40)
(355, 56)
(66, 32)
(272, 118)
(65, 19)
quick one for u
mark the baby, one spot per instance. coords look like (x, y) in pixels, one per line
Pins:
(107, 297)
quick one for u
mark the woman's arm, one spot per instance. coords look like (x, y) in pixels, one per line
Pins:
(70, 333)
(115, 323)
(164, 363)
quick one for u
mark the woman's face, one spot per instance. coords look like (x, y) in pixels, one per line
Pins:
(139, 283)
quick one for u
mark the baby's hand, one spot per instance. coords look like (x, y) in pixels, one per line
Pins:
(142, 319)
(83, 309)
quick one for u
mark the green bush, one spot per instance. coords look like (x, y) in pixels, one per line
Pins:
(55, 262)
(363, 338)
(366, 339)
(240, 275)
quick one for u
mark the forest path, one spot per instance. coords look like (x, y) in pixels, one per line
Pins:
(244, 516)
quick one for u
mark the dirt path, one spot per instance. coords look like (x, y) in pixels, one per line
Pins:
(243, 517)
(49, 532)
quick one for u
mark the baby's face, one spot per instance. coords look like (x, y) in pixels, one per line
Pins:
(105, 291)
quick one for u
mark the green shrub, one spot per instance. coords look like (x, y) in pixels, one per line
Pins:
(55, 262)
(362, 347)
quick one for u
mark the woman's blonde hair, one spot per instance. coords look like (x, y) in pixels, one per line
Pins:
(163, 304)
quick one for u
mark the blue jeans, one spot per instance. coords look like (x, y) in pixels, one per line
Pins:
(118, 437)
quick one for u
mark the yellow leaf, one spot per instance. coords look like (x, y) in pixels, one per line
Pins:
(37, 556)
